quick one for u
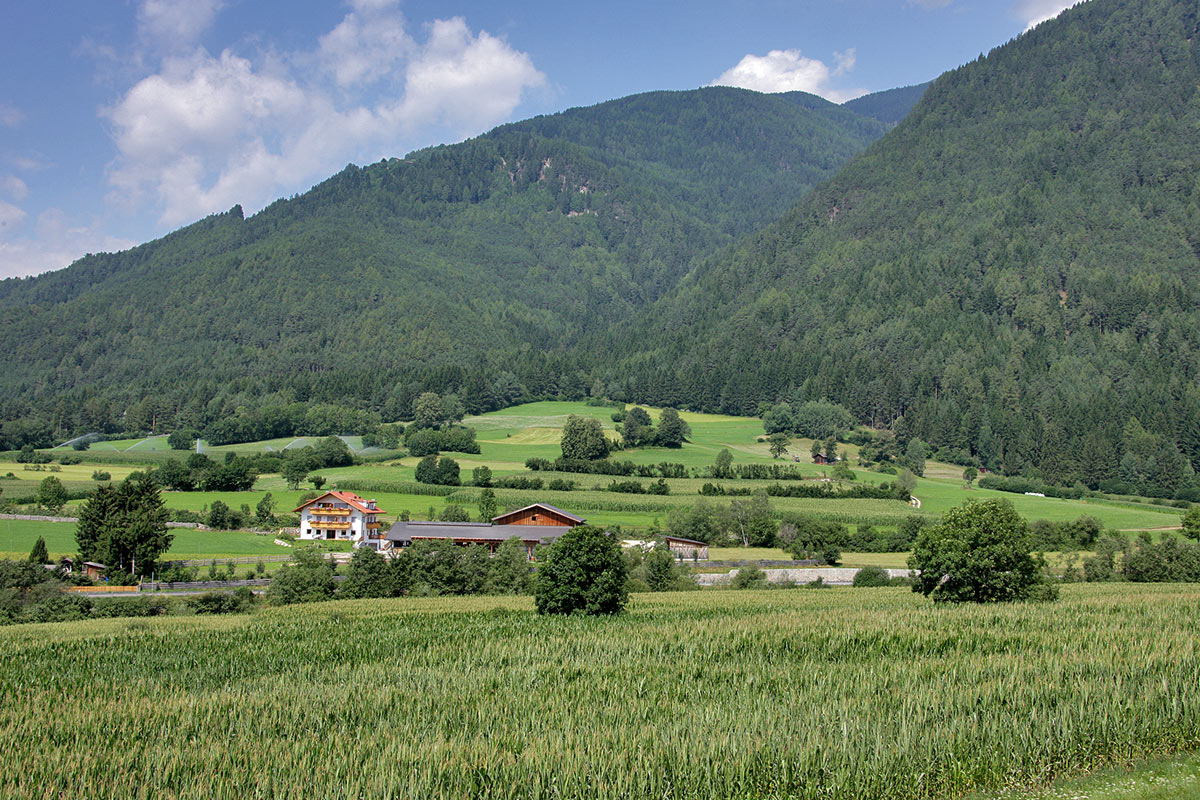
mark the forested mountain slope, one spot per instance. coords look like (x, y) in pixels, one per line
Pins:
(470, 268)
(1013, 271)
(889, 106)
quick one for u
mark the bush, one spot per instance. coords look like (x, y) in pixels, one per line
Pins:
(749, 577)
(583, 573)
(518, 482)
(1167, 561)
(661, 571)
(237, 602)
(368, 575)
(872, 576)
(981, 552)
(309, 580)
(438, 471)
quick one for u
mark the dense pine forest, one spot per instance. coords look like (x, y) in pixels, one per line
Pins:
(473, 268)
(1011, 273)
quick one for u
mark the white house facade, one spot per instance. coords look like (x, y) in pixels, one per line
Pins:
(342, 515)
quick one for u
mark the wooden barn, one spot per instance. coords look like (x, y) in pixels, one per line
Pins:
(538, 524)
(688, 549)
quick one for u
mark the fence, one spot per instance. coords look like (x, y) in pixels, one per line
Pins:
(204, 562)
(101, 589)
(155, 586)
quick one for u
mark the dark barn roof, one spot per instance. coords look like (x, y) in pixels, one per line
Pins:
(682, 540)
(403, 533)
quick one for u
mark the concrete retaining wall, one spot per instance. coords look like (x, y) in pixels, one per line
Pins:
(38, 518)
(834, 576)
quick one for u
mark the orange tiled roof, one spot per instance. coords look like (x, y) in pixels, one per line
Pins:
(349, 498)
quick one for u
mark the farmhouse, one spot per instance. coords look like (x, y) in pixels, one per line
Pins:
(342, 515)
(533, 525)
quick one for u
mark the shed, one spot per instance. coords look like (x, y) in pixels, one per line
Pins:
(687, 548)
(93, 569)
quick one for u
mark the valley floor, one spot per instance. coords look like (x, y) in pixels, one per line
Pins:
(833, 693)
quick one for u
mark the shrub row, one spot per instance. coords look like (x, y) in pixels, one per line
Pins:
(581, 466)
(822, 491)
(396, 487)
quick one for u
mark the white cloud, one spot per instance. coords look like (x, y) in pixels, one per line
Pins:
(372, 6)
(30, 163)
(10, 116)
(206, 132)
(55, 245)
(14, 187)
(466, 82)
(789, 71)
(173, 25)
(1035, 12)
(366, 45)
(11, 219)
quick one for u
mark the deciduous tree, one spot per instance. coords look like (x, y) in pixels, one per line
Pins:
(583, 573)
(583, 438)
(981, 552)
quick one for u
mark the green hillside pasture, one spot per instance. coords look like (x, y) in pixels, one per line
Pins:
(76, 477)
(876, 512)
(150, 444)
(534, 430)
(938, 497)
(18, 536)
(275, 445)
(843, 693)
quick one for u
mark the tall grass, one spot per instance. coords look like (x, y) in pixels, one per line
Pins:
(835, 694)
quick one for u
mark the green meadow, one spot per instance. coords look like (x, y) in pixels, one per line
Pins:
(509, 437)
(17, 538)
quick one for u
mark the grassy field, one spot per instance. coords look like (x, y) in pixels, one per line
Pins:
(1169, 779)
(840, 693)
(24, 481)
(17, 538)
(508, 437)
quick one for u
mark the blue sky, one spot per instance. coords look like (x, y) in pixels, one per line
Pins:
(123, 120)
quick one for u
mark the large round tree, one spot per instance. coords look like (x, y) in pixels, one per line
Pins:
(583, 438)
(981, 552)
(584, 573)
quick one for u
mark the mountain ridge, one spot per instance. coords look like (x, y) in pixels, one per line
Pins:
(1011, 273)
(435, 270)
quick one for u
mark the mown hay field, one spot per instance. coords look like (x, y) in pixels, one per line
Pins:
(835, 693)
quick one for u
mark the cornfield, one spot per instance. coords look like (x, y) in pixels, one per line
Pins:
(809, 694)
(852, 512)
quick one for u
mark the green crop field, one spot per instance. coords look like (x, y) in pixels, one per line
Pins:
(840, 693)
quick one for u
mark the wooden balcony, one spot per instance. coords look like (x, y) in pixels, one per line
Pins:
(330, 526)
(330, 511)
